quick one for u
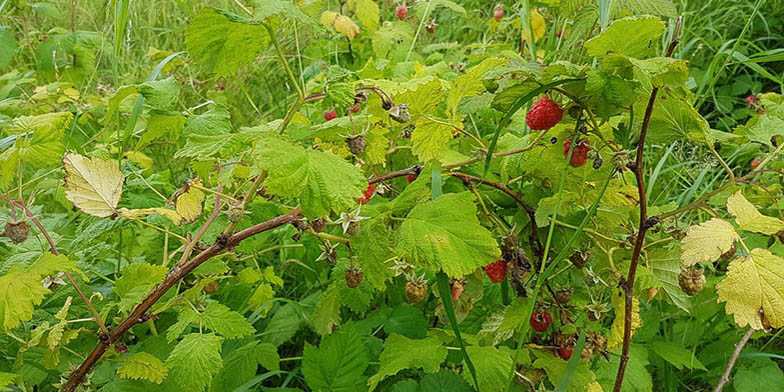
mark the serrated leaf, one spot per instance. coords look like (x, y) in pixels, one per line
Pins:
(241, 365)
(757, 374)
(42, 144)
(555, 368)
(195, 361)
(637, 378)
(617, 300)
(673, 119)
(322, 182)
(217, 318)
(222, 42)
(7, 49)
(265, 9)
(538, 26)
(444, 381)
(430, 353)
(368, 14)
(6, 379)
(616, 39)
(93, 185)
(765, 129)
(326, 314)
(372, 248)
(707, 241)
(190, 203)
(338, 364)
(749, 219)
(470, 83)
(21, 289)
(430, 140)
(143, 366)
(172, 215)
(210, 134)
(492, 367)
(651, 7)
(754, 283)
(160, 94)
(136, 281)
(445, 234)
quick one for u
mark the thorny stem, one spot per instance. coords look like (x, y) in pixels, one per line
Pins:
(37, 223)
(628, 284)
(738, 348)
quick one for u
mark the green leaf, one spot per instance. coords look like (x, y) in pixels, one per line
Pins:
(666, 266)
(616, 38)
(676, 355)
(444, 381)
(763, 130)
(216, 317)
(757, 375)
(492, 367)
(6, 379)
(265, 9)
(44, 146)
(136, 281)
(664, 8)
(222, 42)
(322, 182)
(21, 289)
(368, 14)
(143, 366)
(407, 320)
(431, 140)
(397, 356)
(673, 118)
(637, 378)
(470, 83)
(160, 94)
(195, 361)
(555, 368)
(7, 46)
(241, 365)
(338, 364)
(210, 134)
(445, 234)
(372, 247)
(162, 125)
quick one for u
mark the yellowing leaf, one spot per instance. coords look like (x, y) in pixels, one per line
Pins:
(344, 25)
(93, 185)
(328, 18)
(143, 366)
(754, 282)
(707, 241)
(538, 26)
(135, 213)
(594, 387)
(619, 305)
(189, 204)
(368, 14)
(139, 158)
(748, 218)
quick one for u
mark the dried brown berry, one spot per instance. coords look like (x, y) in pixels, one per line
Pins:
(580, 258)
(357, 144)
(354, 277)
(594, 344)
(400, 113)
(211, 287)
(563, 296)
(728, 254)
(691, 280)
(17, 232)
(416, 292)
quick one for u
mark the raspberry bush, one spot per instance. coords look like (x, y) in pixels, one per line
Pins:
(337, 196)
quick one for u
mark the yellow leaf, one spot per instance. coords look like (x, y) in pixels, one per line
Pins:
(754, 282)
(594, 386)
(93, 185)
(707, 241)
(189, 204)
(344, 25)
(328, 18)
(135, 213)
(616, 331)
(139, 158)
(537, 26)
(748, 218)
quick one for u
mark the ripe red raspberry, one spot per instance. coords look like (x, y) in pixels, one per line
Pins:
(330, 115)
(367, 194)
(496, 271)
(498, 12)
(580, 153)
(401, 11)
(540, 321)
(544, 114)
(457, 289)
(355, 108)
(751, 100)
(565, 352)
(411, 178)
(755, 163)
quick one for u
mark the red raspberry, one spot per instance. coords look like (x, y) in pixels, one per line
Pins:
(496, 271)
(457, 289)
(498, 12)
(755, 163)
(330, 115)
(367, 194)
(411, 178)
(355, 108)
(565, 352)
(401, 11)
(540, 321)
(751, 100)
(580, 153)
(544, 114)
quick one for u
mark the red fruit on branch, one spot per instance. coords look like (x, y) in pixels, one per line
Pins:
(496, 271)
(755, 163)
(544, 114)
(367, 194)
(751, 100)
(401, 11)
(540, 321)
(498, 12)
(565, 352)
(411, 178)
(457, 289)
(580, 153)
(331, 115)
(355, 108)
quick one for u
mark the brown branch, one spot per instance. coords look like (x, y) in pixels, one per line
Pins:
(738, 348)
(536, 245)
(139, 313)
(37, 223)
(215, 210)
(395, 174)
(628, 283)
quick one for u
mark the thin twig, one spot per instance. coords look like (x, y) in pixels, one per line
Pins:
(628, 283)
(738, 348)
(215, 210)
